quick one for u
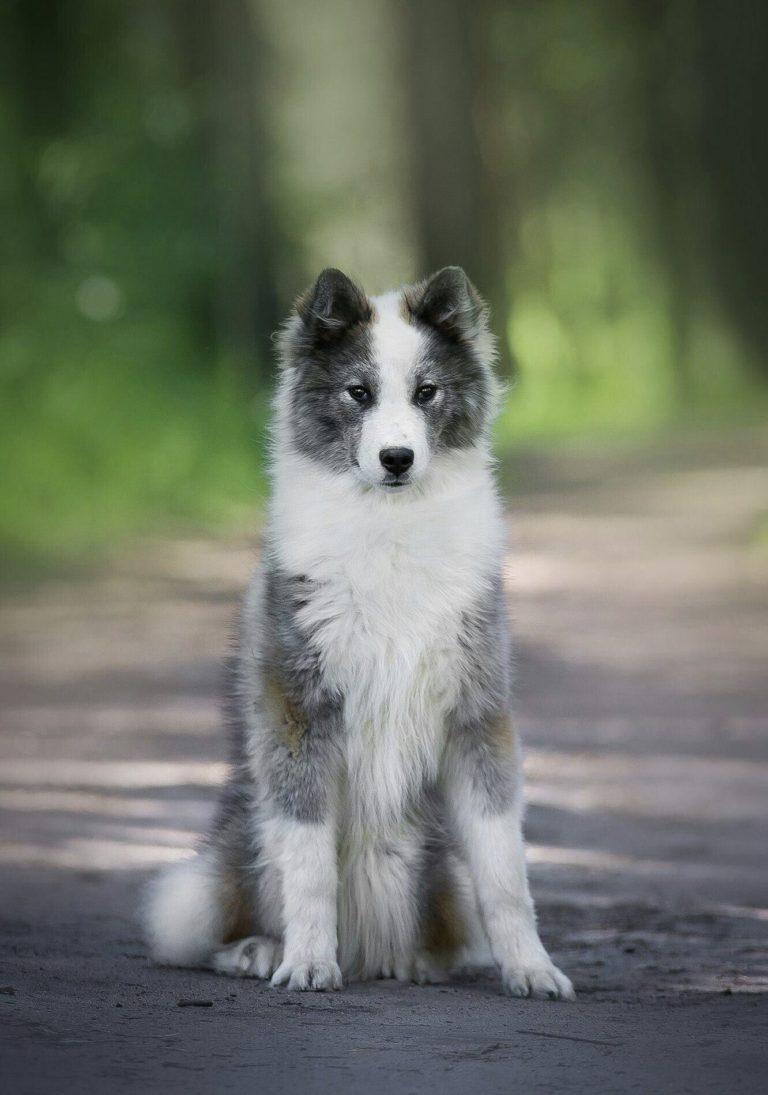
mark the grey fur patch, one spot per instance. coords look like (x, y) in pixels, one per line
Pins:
(332, 306)
(232, 836)
(453, 317)
(448, 302)
(304, 717)
(460, 417)
(326, 353)
(480, 726)
(325, 425)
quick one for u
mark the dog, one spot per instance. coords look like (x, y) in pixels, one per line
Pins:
(371, 823)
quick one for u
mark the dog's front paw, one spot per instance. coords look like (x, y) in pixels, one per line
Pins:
(308, 976)
(544, 981)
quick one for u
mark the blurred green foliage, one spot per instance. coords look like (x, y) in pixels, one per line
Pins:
(173, 173)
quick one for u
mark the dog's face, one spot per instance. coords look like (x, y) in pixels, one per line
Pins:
(379, 388)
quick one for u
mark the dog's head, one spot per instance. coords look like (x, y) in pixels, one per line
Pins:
(380, 388)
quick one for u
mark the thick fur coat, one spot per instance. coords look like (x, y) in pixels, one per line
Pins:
(371, 824)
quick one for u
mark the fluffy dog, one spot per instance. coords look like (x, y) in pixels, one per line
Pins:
(371, 824)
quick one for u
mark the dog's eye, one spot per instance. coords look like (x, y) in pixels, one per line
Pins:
(425, 393)
(359, 393)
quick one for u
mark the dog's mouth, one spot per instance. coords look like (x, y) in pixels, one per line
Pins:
(390, 483)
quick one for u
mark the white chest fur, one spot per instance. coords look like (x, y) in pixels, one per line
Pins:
(392, 576)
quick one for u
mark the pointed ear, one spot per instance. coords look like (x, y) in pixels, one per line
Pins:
(333, 305)
(449, 302)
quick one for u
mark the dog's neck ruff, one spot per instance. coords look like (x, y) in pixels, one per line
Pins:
(318, 519)
(392, 578)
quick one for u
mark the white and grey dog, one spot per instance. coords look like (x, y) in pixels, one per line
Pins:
(371, 825)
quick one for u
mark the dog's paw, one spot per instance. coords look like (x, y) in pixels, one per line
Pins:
(308, 976)
(426, 971)
(544, 981)
(257, 956)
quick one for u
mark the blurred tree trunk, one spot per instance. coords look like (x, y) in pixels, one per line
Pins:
(41, 38)
(44, 63)
(669, 86)
(735, 82)
(447, 77)
(227, 49)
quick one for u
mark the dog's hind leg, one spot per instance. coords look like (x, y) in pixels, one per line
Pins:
(195, 907)
(190, 909)
(254, 956)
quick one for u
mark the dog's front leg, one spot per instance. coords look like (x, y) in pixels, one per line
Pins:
(484, 799)
(300, 759)
(307, 864)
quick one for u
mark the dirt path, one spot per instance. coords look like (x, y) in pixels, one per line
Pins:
(639, 586)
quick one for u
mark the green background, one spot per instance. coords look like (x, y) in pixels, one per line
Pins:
(173, 173)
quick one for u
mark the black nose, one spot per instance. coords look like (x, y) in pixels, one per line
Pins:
(396, 461)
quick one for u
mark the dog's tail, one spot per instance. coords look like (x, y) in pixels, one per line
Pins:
(184, 913)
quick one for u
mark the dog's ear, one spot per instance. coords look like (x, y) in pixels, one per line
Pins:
(332, 305)
(449, 302)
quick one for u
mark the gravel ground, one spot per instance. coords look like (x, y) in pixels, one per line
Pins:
(638, 581)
